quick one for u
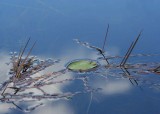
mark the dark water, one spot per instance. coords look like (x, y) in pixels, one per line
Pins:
(55, 23)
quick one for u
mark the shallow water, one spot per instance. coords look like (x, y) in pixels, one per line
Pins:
(55, 23)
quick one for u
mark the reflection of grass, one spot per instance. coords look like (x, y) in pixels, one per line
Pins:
(82, 65)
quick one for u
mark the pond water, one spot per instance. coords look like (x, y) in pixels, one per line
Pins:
(53, 24)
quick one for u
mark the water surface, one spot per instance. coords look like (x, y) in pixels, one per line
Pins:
(55, 23)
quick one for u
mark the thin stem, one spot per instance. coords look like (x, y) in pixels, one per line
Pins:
(104, 58)
(105, 38)
(90, 103)
(131, 49)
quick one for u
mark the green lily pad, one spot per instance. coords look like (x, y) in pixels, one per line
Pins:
(82, 65)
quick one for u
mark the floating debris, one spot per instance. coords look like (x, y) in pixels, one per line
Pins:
(132, 71)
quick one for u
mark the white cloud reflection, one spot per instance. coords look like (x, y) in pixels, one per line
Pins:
(4, 108)
(59, 108)
(109, 87)
(4, 68)
(56, 88)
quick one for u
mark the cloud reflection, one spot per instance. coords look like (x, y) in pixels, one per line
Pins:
(55, 88)
(4, 108)
(111, 87)
(58, 108)
(4, 68)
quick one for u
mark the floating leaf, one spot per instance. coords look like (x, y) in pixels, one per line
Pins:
(82, 65)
